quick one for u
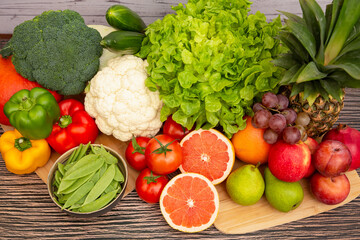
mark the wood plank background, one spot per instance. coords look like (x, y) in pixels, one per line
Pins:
(26, 211)
(13, 12)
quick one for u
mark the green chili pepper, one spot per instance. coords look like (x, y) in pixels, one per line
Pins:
(98, 203)
(101, 185)
(32, 112)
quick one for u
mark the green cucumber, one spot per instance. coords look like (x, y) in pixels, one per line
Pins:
(124, 42)
(123, 18)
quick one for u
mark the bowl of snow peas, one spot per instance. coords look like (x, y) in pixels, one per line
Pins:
(88, 180)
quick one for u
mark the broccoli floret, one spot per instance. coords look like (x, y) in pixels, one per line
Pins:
(57, 50)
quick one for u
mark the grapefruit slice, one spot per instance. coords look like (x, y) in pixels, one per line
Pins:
(189, 202)
(209, 153)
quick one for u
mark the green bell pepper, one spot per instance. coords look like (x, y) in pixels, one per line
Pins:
(32, 112)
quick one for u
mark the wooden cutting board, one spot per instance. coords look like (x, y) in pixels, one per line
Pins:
(106, 140)
(236, 219)
(232, 218)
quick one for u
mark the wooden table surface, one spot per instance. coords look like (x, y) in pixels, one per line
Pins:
(26, 210)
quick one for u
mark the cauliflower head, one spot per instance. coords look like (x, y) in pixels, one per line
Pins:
(121, 103)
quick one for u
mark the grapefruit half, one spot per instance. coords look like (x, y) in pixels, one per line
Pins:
(189, 202)
(209, 153)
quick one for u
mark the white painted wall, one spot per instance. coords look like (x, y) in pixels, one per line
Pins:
(14, 12)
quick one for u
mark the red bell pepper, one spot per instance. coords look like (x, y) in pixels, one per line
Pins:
(74, 126)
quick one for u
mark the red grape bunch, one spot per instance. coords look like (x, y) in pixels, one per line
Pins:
(274, 115)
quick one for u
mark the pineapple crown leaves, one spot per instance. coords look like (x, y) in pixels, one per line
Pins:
(324, 49)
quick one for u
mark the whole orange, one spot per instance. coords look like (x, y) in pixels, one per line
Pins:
(249, 144)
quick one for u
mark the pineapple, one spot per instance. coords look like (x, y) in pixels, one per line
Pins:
(323, 59)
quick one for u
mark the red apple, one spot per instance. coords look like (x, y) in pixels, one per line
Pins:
(332, 158)
(351, 138)
(313, 145)
(330, 190)
(289, 162)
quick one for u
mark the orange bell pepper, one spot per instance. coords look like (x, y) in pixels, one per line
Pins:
(22, 155)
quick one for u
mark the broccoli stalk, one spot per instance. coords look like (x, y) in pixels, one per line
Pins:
(57, 50)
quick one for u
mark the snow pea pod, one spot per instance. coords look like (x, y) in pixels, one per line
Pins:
(96, 176)
(83, 151)
(110, 188)
(56, 184)
(63, 198)
(68, 166)
(98, 203)
(109, 158)
(61, 168)
(103, 169)
(84, 161)
(78, 184)
(92, 166)
(113, 186)
(74, 154)
(77, 204)
(65, 184)
(118, 175)
(79, 194)
(101, 185)
(58, 177)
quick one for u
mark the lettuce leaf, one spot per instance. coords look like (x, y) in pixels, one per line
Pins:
(210, 60)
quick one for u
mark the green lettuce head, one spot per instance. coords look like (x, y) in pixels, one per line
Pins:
(210, 60)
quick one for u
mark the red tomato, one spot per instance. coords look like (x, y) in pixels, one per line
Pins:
(135, 152)
(163, 154)
(149, 186)
(174, 129)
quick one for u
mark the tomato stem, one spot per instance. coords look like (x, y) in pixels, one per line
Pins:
(151, 178)
(163, 148)
(137, 147)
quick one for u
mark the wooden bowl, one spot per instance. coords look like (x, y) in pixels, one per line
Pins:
(63, 158)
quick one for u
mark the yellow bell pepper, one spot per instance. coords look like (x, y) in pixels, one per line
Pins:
(22, 155)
